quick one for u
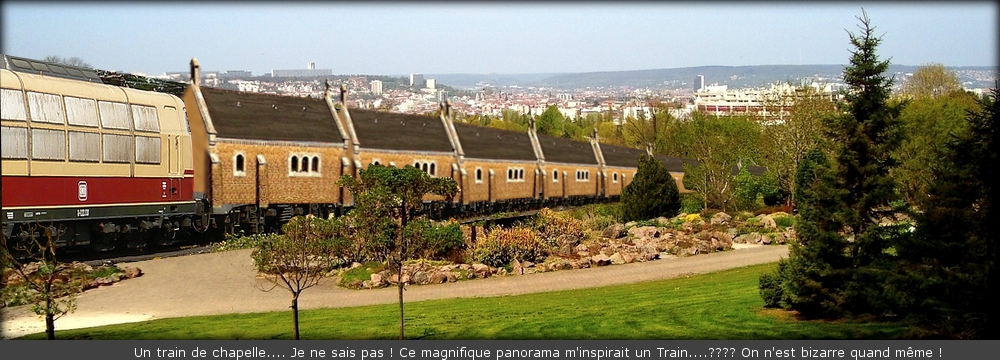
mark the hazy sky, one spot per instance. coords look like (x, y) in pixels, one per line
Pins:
(502, 37)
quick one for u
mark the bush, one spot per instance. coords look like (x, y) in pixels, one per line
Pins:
(691, 203)
(784, 221)
(501, 246)
(651, 194)
(551, 225)
(240, 241)
(772, 288)
(434, 241)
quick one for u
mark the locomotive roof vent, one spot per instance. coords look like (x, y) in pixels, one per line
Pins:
(19, 64)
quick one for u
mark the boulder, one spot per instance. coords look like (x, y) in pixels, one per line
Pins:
(600, 260)
(768, 222)
(451, 277)
(720, 218)
(644, 233)
(516, 268)
(766, 240)
(630, 224)
(132, 272)
(663, 221)
(421, 277)
(378, 281)
(438, 277)
(616, 259)
(613, 231)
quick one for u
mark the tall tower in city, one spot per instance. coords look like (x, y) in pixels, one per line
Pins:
(311, 66)
(376, 87)
(416, 79)
(699, 82)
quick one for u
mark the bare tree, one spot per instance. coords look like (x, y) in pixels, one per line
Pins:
(297, 260)
(52, 292)
(73, 61)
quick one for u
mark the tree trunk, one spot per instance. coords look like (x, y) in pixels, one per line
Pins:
(400, 300)
(295, 314)
(50, 320)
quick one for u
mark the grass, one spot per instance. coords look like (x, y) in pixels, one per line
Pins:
(722, 305)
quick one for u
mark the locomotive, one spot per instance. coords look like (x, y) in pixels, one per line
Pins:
(123, 168)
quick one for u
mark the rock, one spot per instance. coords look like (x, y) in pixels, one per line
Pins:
(768, 222)
(377, 281)
(600, 260)
(663, 221)
(613, 231)
(367, 284)
(480, 268)
(720, 218)
(451, 277)
(644, 233)
(516, 268)
(649, 256)
(421, 277)
(437, 277)
(766, 240)
(354, 265)
(104, 280)
(132, 272)
(501, 272)
(616, 259)
(630, 224)
(725, 240)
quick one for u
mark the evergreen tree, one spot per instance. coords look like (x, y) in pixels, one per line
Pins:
(944, 281)
(653, 192)
(845, 252)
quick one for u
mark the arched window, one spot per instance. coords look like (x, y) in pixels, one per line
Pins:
(432, 169)
(239, 165)
(510, 174)
(520, 174)
(315, 164)
(479, 175)
(416, 165)
(294, 163)
(614, 177)
(555, 175)
(376, 162)
(425, 167)
(305, 164)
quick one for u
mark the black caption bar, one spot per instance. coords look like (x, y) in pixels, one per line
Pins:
(505, 349)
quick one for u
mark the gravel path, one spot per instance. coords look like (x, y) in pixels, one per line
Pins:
(221, 283)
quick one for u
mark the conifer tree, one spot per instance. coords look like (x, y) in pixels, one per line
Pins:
(653, 192)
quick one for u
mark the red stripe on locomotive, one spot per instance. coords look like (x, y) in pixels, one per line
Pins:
(64, 190)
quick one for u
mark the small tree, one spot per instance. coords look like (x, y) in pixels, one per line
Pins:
(653, 192)
(386, 200)
(52, 292)
(297, 259)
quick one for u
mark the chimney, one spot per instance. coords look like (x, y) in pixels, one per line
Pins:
(343, 96)
(195, 71)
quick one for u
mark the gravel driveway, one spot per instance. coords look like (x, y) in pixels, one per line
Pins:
(226, 282)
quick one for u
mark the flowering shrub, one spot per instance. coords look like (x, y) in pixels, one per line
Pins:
(501, 246)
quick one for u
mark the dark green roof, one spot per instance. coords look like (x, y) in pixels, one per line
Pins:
(675, 164)
(392, 131)
(244, 115)
(557, 149)
(621, 156)
(489, 143)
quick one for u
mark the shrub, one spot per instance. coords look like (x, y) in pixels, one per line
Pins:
(652, 193)
(360, 273)
(551, 225)
(692, 218)
(691, 203)
(771, 287)
(434, 241)
(784, 221)
(501, 246)
(240, 241)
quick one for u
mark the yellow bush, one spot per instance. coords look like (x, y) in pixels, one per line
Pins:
(503, 245)
(692, 218)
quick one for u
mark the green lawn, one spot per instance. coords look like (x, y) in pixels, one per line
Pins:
(723, 305)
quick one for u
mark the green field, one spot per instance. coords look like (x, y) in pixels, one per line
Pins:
(723, 305)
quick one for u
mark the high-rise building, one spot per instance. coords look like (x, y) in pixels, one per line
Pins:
(376, 87)
(416, 80)
(699, 82)
(430, 84)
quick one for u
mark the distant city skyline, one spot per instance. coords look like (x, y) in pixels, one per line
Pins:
(506, 38)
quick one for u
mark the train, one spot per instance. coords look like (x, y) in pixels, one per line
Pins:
(120, 168)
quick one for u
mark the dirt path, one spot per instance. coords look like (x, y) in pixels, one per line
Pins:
(220, 283)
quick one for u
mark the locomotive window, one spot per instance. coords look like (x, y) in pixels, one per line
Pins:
(145, 118)
(510, 174)
(118, 148)
(15, 142)
(520, 174)
(294, 162)
(305, 164)
(239, 165)
(82, 112)
(315, 165)
(84, 146)
(46, 108)
(48, 144)
(12, 105)
(147, 150)
(113, 115)
(433, 172)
